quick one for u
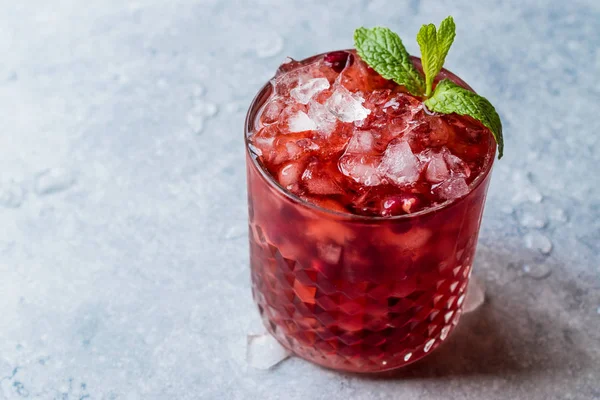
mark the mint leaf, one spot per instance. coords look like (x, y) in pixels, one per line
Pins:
(383, 50)
(449, 98)
(434, 45)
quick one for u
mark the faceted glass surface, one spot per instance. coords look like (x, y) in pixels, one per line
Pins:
(362, 230)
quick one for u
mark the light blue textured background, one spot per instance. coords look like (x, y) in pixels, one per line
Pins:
(123, 247)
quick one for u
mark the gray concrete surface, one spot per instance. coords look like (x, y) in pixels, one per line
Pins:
(123, 248)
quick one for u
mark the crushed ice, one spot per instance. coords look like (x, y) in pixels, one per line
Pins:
(345, 106)
(399, 164)
(300, 122)
(305, 92)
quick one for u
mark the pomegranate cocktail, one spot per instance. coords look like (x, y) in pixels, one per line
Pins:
(366, 187)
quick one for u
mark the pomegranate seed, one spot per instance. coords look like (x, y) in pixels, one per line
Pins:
(338, 60)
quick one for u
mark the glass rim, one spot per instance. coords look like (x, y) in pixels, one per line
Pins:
(249, 120)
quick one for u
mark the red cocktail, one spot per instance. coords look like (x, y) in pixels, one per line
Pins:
(364, 213)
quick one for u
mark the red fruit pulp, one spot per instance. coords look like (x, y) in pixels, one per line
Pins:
(364, 213)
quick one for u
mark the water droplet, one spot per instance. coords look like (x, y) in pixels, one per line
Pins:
(407, 357)
(537, 271)
(53, 180)
(195, 122)
(428, 345)
(524, 189)
(558, 214)
(199, 113)
(531, 215)
(206, 109)
(507, 209)
(198, 91)
(475, 295)
(269, 46)
(11, 195)
(539, 242)
(232, 108)
(161, 83)
(264, 351)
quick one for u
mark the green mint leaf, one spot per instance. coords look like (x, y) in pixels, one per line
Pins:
(383, 51)
(449, 98)
(434, 45)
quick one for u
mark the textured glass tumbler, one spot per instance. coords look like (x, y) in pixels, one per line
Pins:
(356, 293)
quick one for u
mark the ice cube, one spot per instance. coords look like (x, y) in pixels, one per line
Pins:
(324, 120)
(293, 150)
(456, 165)
(475, 295)
(300, 122)
(262, 145)
(345, 106)
(362, 169)
(264, 351)
(272, 110)
(361, 143)
(304, 92)
(452, 188)
(391, 103)
(293, 75)
(436, 171)
(290, 173)
(317, 181)
(399, 164)
(307, 144)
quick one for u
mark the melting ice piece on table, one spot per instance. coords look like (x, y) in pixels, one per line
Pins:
(475, 295)
(264, 352)
(300, 122)
(399, 164)
(323, 119)
(304, 92)
(345, 106)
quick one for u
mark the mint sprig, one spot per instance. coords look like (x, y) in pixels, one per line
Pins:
(383, 51)
(450, 98)
(434, 45)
